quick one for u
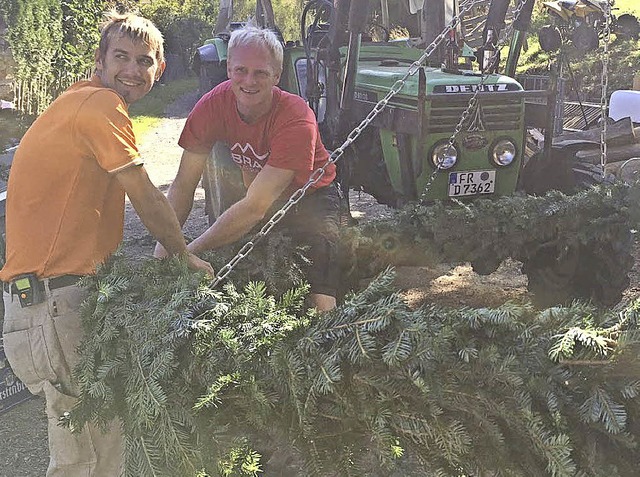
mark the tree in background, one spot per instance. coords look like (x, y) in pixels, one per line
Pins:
(53, 41)
(80, 39)
(34, 35)
(185, 26)
(287, 14)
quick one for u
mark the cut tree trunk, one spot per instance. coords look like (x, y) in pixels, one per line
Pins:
(621, 132)
(614, 154)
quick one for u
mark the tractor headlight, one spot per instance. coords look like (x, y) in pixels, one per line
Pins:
(504, 152)
(444, 156)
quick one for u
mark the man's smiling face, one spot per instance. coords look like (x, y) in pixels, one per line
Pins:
(253, 75)
(128, 67)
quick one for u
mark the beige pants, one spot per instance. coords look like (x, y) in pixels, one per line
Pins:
(40, 343)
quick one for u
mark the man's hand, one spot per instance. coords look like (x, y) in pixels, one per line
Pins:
(197, 264)
(193, 262)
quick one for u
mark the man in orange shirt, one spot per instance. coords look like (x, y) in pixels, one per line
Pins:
(65, 216)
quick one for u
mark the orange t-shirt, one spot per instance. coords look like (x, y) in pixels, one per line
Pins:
(65, 207)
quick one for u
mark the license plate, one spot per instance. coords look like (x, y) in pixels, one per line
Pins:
(471, 183)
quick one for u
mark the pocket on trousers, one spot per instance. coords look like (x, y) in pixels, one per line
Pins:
(28, 354)
(67, 448)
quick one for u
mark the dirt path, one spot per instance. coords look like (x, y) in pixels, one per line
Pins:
(161, 154)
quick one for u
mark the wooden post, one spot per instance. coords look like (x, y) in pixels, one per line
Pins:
(432, 22)
(224, 16)
(384, 6)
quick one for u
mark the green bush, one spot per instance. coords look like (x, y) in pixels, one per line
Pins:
(185, 25)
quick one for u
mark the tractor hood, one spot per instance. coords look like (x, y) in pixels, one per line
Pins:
(380, 67)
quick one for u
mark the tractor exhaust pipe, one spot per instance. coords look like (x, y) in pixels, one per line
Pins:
(357, 19)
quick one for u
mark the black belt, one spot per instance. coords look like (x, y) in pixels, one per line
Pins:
(54, 283)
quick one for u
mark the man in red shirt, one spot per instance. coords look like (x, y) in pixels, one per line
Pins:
(273, 137)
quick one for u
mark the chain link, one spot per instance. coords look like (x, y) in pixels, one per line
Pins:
(604, 83)
(473, 102)
(338, 152)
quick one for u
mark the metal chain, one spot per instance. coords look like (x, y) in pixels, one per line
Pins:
(338, 152)
(606, 37)
(473, 102)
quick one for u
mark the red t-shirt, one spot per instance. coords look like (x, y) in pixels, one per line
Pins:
(287, 137)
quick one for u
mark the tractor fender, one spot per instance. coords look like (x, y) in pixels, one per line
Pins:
(208, 53)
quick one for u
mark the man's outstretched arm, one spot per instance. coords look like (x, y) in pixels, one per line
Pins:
(242, 216)
(157, 215)
(183, 187)
(182, 190)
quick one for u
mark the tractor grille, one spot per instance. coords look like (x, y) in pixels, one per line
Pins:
(496, 114)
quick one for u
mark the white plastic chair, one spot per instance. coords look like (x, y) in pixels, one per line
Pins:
(625, 104)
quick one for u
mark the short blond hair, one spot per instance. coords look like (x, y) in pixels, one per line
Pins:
(250, 35)
(135, 27)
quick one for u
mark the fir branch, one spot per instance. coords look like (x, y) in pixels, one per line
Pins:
(336, 392)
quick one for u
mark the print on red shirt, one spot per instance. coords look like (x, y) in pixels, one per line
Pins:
(247, 158)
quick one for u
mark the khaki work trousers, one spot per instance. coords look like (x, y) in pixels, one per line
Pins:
(40, 343)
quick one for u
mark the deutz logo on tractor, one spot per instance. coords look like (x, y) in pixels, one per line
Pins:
(472, 88)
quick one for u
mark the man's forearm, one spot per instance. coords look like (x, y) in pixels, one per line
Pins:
(159, 218)
(182, 203)
(183, 188)
(241, 217)
(230, 227)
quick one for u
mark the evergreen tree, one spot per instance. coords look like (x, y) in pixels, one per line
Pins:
(35, 33)
(245, 380)
(80, 20)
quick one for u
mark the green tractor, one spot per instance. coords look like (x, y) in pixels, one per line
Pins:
(450, 133)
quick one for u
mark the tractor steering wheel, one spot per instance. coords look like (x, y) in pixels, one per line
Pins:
(321, 11)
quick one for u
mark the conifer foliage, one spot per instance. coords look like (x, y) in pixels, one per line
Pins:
(245, 381)
(595, 224)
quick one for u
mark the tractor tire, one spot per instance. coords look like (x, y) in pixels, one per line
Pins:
(551, 273)
(563, 172)
(586, 175)
(221, 181)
